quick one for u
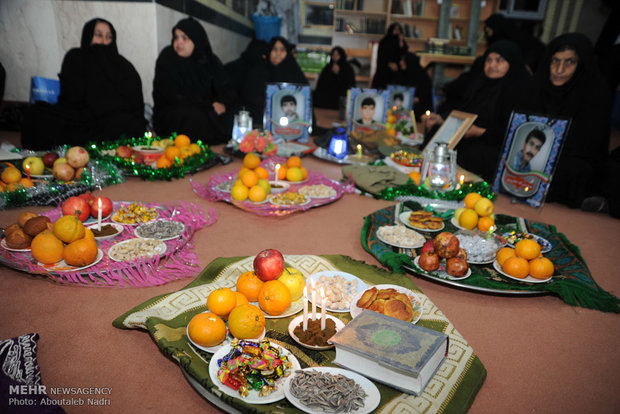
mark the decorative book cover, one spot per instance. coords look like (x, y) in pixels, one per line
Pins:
(393, 343)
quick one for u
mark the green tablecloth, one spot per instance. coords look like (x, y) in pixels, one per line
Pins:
(452, 389)
(573, 281)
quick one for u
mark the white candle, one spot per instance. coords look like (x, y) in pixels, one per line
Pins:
(323, 306)
(305, 325)
(313, 302)
(359, 151)
(99, 214)
(277, 172)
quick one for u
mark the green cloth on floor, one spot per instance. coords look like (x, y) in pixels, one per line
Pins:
(573, 281)
(375, 178)
(452, 389)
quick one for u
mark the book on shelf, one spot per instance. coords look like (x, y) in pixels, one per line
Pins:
(407, 7)
(399, 354)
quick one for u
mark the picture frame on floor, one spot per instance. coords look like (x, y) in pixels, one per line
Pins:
(531, 149)
(452, 129)
(288, 111)
(401, 97)
(367, 110)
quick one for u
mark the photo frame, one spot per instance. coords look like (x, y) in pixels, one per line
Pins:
(288, 111)
(452, 129)
(401, 97)
(532, 146)
(367, 110)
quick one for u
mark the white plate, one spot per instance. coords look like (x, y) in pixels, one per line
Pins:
(545, 245)
(456, 224)
(92, 219)
(332, 192)
(133, 224)
(441, 272)
(160, 249)
(225, 186)
(373, 396)
(213, 349)
(62, 266)
(5, 246)
(404, 218)
(180, 226)
(299, 319)
(270, 198)
(527, 279)
(404, 246)
(284, 184)
(119, 229)
(361, 286)
(295, 307)
(416, 301)
(253, 398)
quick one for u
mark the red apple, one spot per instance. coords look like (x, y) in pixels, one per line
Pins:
(123, 151)
(49, 158)
(63, 171)
(446, 244)
(429, 261)
(87, 196)
(106, 206)
(457, 266)
(428, 246)
(77, 157)
(76, 205)
(268, 264)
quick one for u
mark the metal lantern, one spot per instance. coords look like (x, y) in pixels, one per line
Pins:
(338, 146)
(439, 167)
(241, 125)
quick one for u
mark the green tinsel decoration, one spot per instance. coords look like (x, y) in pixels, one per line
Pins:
(411, 189)
(190, 165)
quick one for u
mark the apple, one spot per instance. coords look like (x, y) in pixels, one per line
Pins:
(428, 246)
(87, 196)
(106, 206)
(446, 244)
(59, 160)
(294, 281)
(123, 151)
(76, 206)
(429, 261)
(34, 164)
(268, 264)
(77, 157)
(63, 171)
(49, 158)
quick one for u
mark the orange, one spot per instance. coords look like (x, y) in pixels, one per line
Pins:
(182, 141)
(282, 172)
(257, 194)
(88, 233)
(80, 252)
(241, 299)
(246, 322)
(262, 172)
(206, 329)
(274, 297)
(13, 187)
(294, 174)
(527, 249)
(47, 248)
(415, 176)
(249, 179)
(68, 229)
(239, 192)
(163, 162)
(541, 268)
(293, 161)
(172, 153)
(11, 175)
(249, 284)
(470, 200)
(503, 254)
(516, 267)
(468, 219)
(304, 172)
(242, 171)
(251, 160)
(221, 301)
(195, 148)
(485, 223)
(26, 182)
(186, 152)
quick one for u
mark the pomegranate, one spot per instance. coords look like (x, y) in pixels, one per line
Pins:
(446, 245)
(456, 266)
(429, 261)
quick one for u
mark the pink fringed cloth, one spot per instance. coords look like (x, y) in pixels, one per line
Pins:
(179, 260)
(217, 190)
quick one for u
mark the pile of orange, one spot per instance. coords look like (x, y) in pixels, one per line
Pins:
(525, 259)
(477, 213)
(11, 179)
(252, 181)
(293, 171)
(177, 153)
(69, 240)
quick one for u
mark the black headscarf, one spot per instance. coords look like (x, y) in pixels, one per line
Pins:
(390, 51)
(89, 30)
(330, 86)
(195, 31)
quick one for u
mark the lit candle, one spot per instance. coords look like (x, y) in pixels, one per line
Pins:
(414, 123)
(99, 214)
(461, 180)
(305, 325)
(28, 171)
(359, 151)
(323, 306)
(313, 302)
(428, 116)
(277, 172)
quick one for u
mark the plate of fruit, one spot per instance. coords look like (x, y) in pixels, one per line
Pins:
(513, 237)
(528, 278)
(443, 257)
(208, 332)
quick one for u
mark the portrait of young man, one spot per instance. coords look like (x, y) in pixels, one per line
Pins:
(531, 146)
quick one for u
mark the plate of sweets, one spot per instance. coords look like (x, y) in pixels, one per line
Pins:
(160, 229)
(318, 191)
(406, 158)
(400, 236)
(315, 336)
(131, 249)
(421, 220)
(339, 287)
(108, 230)
(289, 199)
(264, 383)
(391, 300)
(513, 237)
(135, 214)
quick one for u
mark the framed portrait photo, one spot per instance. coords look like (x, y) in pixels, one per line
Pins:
(401, 97)
(288, 111)
(367, 110)
(531, 149)
(452, 129)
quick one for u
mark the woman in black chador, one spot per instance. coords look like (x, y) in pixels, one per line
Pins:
(100, 96)
(192, 93)
(278, 66)
(335, 79)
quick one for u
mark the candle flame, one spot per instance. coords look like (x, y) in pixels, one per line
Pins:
(461, 179)
(277, 167)
(428, 113)
(99, 202)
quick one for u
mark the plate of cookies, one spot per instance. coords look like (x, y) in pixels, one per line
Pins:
(421, 220)
(390, 300)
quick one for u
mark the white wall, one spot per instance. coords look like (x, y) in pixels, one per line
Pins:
(36, 34)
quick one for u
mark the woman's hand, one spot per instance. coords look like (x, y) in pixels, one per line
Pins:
(393, 66)
(335, 68)
(403, 64)
(430, 120)
(474, 131)
(219, 108)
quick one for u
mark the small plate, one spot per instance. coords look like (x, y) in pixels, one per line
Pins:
(119, 229)
(270, 198)
(284, 186)
(404, 218)
(179, 229)
(225, 186)
(441, 272)
(361, 286)
(253, 397)
(6, 247)
(332, 192)
(137, 223)
(372, 400)
(62, 266)
(456, 224)
(527, 279)
(545, 245)
(418, 307)
(294, 308)
(403, 246)
(159, 250)
(299, 319)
